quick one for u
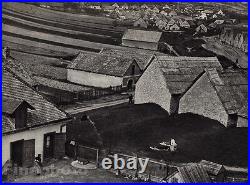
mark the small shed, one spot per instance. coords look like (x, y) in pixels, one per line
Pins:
(217, 172)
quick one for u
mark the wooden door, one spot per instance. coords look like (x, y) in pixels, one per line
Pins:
(59, 145)
(17, 152)
(28, 153)
(48, 147)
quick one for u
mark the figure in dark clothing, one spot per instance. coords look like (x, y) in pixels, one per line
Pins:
(130, 98)
(38, 165)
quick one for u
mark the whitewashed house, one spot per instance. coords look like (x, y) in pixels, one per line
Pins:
(31, 125)
(103, 70)
(219, 95)
(184, 24)
(201, 29)
(167, 78)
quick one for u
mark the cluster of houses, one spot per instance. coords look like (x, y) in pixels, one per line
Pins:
(236, 37)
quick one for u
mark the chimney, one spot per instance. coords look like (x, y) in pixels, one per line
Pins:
(6, 52)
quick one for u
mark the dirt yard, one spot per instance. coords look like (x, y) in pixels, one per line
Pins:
(64, 172)
(134, 128)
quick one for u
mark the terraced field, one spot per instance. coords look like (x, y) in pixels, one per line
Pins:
(84, 20)
(62, 30)
(34, 48)
(21, 42)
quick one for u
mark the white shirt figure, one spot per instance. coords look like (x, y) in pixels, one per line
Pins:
(173, 145)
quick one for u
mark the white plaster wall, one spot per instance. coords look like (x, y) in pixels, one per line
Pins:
(202, 99)
(93, 79)
(37, 134)
(152, 88)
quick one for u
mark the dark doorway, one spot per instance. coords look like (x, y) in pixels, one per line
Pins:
(16, 149)
(23, 152)
(54, 145)
(232, 120)
(130, 84)
(48, 145)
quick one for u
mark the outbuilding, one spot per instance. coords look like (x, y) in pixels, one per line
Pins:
(103, 70)
(219, 95)
(142, 39)
(167, 78)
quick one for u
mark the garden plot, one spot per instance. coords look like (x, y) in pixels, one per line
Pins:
(36, 44)
(84, 20)
(33, 48)
(70, 42)
(9, 20)
(68, 26)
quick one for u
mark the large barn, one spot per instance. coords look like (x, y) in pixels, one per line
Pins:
(30, 124)
(167, 78)
(221, 96)
(104, 70)
(142, 39)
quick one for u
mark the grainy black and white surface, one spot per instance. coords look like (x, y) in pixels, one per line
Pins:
(160, 84)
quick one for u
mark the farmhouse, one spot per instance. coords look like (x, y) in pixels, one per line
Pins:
(218, 95)
(184, 24)
(140, 23)
(142, 57)
(201, 29)
(142, 39)
(194, 173)
(103, 70)
(30, 124)
(174, 27)
(167, 78)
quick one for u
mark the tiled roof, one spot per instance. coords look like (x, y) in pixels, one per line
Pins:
(142, 57)
(19, 70)
(101, 63)
(60, 85)
(15, 88)
(141, 35)
(10, 105)
(194, 173)
(212, 168)
(232, 89)
(181, 72)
